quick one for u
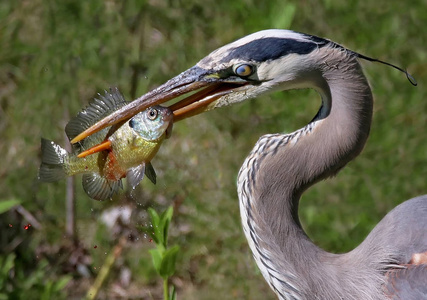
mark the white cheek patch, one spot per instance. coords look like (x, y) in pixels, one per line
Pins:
(282, 69)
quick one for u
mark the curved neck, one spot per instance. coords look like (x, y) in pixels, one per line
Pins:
(281, 167)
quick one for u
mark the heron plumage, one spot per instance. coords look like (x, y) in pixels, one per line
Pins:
(282, 166)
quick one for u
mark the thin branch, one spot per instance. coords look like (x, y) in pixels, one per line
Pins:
(29, 217)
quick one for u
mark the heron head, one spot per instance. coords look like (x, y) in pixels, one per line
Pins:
(261, 62)
(258, 63)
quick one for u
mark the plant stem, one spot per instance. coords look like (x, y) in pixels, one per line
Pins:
(165, 289)
(105, 269)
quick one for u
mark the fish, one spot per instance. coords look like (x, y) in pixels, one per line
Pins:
(107, 157)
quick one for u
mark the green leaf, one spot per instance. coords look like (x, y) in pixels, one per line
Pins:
(6, 205)
(59, 285)
(4, 296)
(149, 231)
(155, 223)
(155, 219)
(165, 233)
(47, 291)
(8, 264)
(167, 214)
(167, 267)
(166, 218)
(157, 256)
(173, 293)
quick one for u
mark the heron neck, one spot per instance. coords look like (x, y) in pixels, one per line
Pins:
(281, 167)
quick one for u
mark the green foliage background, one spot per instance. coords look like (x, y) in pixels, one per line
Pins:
(56, 55)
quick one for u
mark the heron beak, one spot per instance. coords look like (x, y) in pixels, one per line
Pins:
(206, 87)
(106, 145)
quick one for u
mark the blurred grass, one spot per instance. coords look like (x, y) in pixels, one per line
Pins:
(55, 56)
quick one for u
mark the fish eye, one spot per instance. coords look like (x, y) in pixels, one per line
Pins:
(152, 114)
(243, 70)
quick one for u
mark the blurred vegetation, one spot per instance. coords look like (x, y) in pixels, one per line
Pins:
(56, 55)
(164, 256)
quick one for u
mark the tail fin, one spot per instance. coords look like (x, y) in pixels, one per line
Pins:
(52, 166)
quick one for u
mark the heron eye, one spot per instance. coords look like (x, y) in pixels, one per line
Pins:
(152, 114)
(243, 70)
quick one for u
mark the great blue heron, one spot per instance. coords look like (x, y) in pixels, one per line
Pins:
(392, 261)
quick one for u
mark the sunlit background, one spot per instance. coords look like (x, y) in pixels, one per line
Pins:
(57, 55)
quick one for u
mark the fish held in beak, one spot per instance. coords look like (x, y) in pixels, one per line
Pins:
(127, 153)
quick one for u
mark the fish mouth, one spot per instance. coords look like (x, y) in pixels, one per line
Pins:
(196, 90)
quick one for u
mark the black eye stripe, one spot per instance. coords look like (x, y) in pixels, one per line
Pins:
(272, 48)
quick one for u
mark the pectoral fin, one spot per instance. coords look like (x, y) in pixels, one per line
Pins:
(150, 173)
(99, 188)
(134, 175)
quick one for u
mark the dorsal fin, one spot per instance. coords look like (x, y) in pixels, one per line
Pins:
(96, 110)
